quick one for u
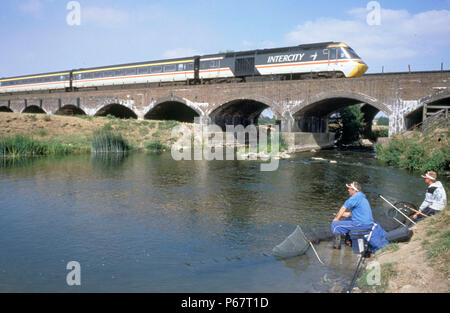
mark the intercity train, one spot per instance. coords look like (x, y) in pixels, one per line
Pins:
(329, 59)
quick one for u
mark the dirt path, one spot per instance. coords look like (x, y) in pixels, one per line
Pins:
(414, 270)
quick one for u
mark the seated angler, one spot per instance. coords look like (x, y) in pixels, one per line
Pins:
(357, 218)
(435, 197)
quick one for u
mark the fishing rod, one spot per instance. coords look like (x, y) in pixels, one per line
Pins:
(397, 209)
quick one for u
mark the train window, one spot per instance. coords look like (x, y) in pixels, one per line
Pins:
(61, 77)
(190, 66)
(0, 84)
(143, 70)
(181, 67)
(332, 54)
(214, 63)
(78, 76)
(342, 54)
(156, 69)
(130, 71)
(170, 68)
(352, 53)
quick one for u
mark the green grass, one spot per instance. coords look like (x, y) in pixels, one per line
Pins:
(387, 272)
(23, 146)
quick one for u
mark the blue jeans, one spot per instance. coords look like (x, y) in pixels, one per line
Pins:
(427, 211)
(343, 227)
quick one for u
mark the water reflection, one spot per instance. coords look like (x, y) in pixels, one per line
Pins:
(108, 160)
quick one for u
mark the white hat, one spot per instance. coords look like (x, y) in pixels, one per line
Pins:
(353, 185)
(430, 175)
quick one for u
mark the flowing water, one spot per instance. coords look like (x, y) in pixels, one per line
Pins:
(147, 223)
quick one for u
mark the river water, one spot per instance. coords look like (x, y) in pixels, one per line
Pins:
(147, 223)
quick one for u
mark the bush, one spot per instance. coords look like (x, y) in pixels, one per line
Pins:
(392, 152)
(439, 160)
(156, 147)
(413, 157)
(413, 154)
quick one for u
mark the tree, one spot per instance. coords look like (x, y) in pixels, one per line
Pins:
(351, 124)
(383, 121)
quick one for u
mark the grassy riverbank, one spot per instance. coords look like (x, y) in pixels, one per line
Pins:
(420, 265)
(415, 151)
(40, 134)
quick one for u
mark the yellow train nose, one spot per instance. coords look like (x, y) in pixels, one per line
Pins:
(359, 70)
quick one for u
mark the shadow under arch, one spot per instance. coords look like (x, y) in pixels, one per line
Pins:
(70, 109)
(243, 112)
(117, 110)
(34, 109)
(173, 108)
(313, 115)
(5, 109)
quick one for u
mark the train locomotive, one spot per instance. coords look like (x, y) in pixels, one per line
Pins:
(329, 59)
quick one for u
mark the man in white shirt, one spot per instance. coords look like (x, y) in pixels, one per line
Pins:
(435, 198)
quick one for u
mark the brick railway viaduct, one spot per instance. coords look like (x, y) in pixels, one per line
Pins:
(300, 106)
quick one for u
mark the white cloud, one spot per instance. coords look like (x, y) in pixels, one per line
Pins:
(400, 35)
(32, 7)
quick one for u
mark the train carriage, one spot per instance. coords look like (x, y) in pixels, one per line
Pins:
(328, 59)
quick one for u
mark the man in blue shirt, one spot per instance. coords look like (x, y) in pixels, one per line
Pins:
(356, 212)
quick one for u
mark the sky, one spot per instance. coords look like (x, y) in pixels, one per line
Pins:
(39, 36)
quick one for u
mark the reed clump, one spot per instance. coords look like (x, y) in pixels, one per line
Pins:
(108, 141)
(24, 146)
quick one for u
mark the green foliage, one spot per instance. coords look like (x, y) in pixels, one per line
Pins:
(156, 147)
(439, 160)
(414, 155)
(383, 121)
(108, 141)
(351, 124)
(387, 272)
(391, 153)
(380, 133)
(22, 146)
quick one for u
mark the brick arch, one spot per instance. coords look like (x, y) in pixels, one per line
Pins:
(33, 109)
(5, 109)
(192, 105)
(174, 108)
(70, 109)
(327, 96)
(435, 97)
(117, 109)
(263, 100)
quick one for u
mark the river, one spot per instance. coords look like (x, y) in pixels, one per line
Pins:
(147, 223)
